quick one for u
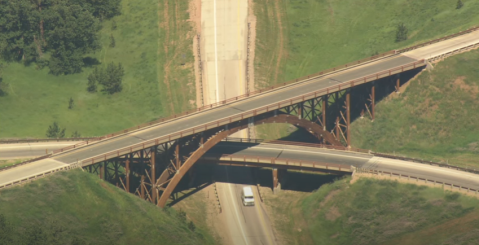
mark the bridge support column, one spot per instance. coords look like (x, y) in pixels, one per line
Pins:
(398, 83)
(348, 117)
(127, 173)
(276, 184)
(102, 170)
(373, 100)
(323, 108)
(154, 191)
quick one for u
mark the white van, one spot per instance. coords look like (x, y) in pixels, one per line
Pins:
(247, 196)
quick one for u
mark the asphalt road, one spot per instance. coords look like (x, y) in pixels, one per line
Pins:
(359, 160)
(228, 110)
(30, 150)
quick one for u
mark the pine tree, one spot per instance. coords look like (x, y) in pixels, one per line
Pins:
(92, 80)
(54, 131)
(71, 103)
(401, 33)
(112, 41)
(459, 4)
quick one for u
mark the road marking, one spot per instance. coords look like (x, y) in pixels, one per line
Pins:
(263, 223)
(216, 55)
(236, 208)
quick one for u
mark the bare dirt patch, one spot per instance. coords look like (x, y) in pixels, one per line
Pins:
(194, 10)
(459, 83)
(166, 26)
(281, 39)
(333, 213)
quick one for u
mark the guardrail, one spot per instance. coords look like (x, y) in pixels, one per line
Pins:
(39, 175)
(426, 181)
(28, 140)
(281, 162)
(409, 159)
(258, 111)
(438, 40)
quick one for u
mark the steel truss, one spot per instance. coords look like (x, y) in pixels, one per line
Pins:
(153, 173)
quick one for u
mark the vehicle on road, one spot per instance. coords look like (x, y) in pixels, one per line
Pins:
(247, 196)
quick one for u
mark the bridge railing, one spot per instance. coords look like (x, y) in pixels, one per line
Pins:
(29, 140)
(438, 40)
(258, 111)
(282, 162)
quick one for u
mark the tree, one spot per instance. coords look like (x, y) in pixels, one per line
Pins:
(102, 9)
(459, 4)
(54, 131)
(70, 32)
(76, 134)
(71, 103)
(3, 85)
(18, 30)
(92, 80)
(191, 226)
(401, 33)
(112, 41)
(111, 79)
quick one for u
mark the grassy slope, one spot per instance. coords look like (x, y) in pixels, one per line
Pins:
(375, 212)
(94, 211)
(300, 37)
(435, 118)
(36, 98)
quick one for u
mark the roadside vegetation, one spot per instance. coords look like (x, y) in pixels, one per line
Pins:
(435, 118)
(10, 162)
(374, 211)
(296, 38)
(76, 207)
(146, 46)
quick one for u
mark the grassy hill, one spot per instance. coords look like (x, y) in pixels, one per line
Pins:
(375, 212)
(435, 118)
(151, 44)
(296, 38)
(76, 207)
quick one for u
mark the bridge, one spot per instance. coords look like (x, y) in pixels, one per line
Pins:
(321, 103)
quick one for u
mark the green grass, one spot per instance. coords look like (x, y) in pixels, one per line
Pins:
(36, 98)
(317, 35)
(8, 163)
(376, 212)
(300, 37)
(95, 212)
(435, 118)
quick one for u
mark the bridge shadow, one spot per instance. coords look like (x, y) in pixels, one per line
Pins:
(205, 174)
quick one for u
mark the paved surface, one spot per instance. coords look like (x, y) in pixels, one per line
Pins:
(223, 39)
(444, 46)
(229, 110)
(30, 150)
(359, 160)
(31, 169)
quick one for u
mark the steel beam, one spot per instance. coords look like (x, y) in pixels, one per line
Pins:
(127, 172)
(324, 107)
(373, 99)
(275, 178)
(102, 170)
(153, 173)
(348, 117)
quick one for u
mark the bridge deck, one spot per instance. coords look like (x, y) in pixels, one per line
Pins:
(232, 109)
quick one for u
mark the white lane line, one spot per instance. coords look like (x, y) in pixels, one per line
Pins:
(236, 208)
(216, 54)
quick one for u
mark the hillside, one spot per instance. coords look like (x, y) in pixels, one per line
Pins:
(434, 118)
(76, 207)
(374, 212)
(297, 38)
(151, 44)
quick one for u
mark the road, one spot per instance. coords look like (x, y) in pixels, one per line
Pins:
(30, 150)
(223, 48)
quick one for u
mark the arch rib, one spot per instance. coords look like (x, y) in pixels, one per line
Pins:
(311, 127)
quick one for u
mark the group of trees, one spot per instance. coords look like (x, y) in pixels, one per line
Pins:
(56, 132)
(110, 78)
(67, 29)
(3, 85)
